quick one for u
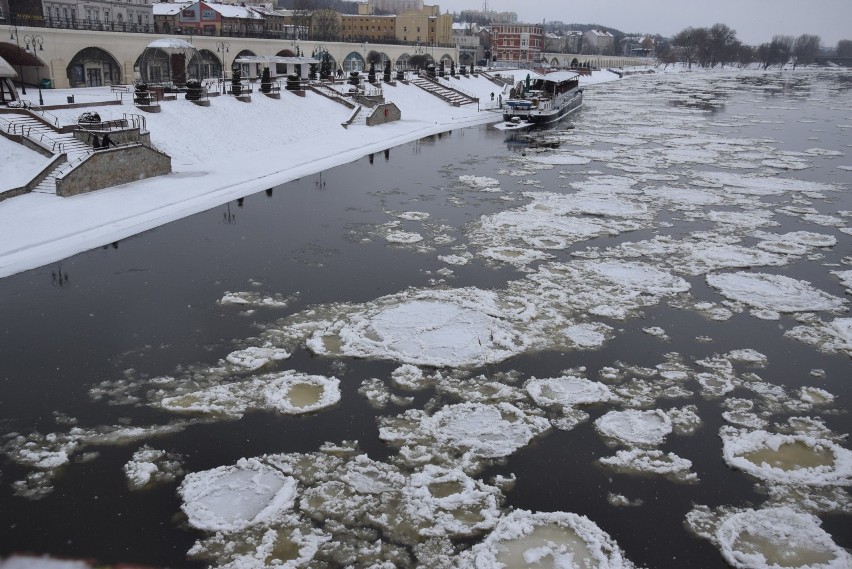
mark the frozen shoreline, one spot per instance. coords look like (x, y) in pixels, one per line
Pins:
(39, 229)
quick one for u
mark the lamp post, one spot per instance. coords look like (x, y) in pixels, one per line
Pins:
(13, 34)
(222, 47)
(36, 40)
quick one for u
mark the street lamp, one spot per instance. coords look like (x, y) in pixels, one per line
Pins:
(13, 35)
(222, 47)
(36, 40)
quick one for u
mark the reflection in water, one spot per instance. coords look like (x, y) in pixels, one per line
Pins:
(227, 216)
(59, 278)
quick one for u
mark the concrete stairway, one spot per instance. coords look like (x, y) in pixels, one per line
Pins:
(52, 141)
(455, 98)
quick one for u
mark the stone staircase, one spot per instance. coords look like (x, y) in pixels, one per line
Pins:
(450, 95)
(49, 139)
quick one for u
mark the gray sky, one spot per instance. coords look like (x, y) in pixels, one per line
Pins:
(755, 21)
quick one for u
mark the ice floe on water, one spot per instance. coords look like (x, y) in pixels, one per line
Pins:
(287, 392)
(775, 293)
(633, 427)
(567, 391)
(230, 498)
(480, 183)
(255, 357)
(643, 461)
(335, 507)
(255, 299)
(553, 540)
(769, 538)
(405, 237)
(466, 434)
(151, 466)
(787, 459)
(831, 337)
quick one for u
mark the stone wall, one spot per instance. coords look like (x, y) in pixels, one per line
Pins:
(118, 136)
(384, 113)
(113, 167)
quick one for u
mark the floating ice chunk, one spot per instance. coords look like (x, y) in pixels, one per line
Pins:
(760, 185)
(231, 498)
(830, 337)
(742, 220)
(463, 327)
(513, 255)
(472, 430)
(748, 356)
(567, 391)
(449, 502)
(845, 279)
(409, 377)
(254, 299)
(454, 259)
(787, 459)
(561, 160)
(555, 540)
(288, 392)
(620, 500)
(778, 537)
(405, 237)
(152, 466)
(683, 198)
(412, 215)
(632, 427)
(656, 331)
(255, 357)
(481, 183)
(640, 461)
(590, 335)
(786, 163)
(773, 292)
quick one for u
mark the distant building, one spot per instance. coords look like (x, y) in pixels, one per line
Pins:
(599, 42)
(489, 16)
(574, 42)
(392, 6)
(115, 15)
(637, 46)
(517, 44)
(467, 38)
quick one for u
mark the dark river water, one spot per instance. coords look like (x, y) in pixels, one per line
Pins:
(148, 306)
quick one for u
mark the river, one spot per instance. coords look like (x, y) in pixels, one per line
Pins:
(611, 318)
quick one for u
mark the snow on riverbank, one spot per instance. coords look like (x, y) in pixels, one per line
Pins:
(219, 153)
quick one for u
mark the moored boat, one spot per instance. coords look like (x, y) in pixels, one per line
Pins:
(543, 99)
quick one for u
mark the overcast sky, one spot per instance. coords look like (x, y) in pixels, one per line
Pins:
(755, 21)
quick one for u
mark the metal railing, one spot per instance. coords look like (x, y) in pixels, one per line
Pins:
(137, 121)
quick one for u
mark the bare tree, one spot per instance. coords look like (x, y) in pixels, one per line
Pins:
(805, 49)
(844, 48)
(302, 11)
(686, 42)
(325, 24)
(721, 39)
